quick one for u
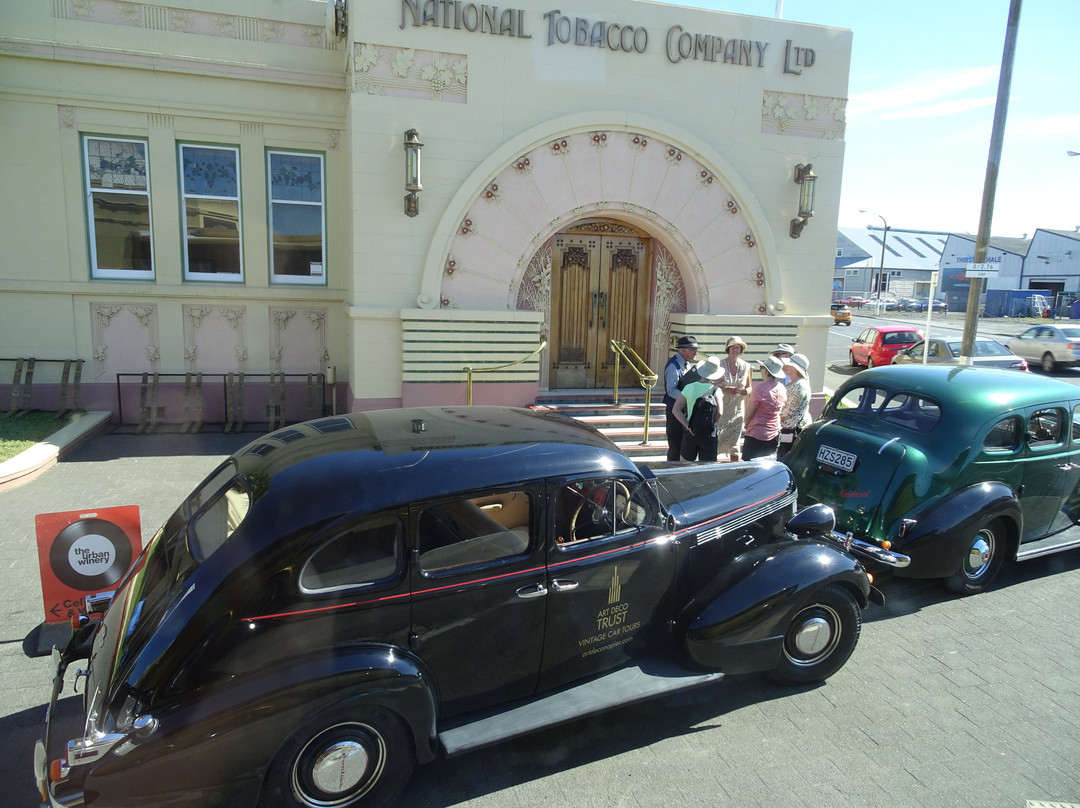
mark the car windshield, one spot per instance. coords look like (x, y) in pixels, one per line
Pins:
(983, 347)
(899, 337)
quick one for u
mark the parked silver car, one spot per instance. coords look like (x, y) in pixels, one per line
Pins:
(1048, 346)
(987, 353)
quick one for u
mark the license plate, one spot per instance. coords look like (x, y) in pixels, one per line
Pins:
(834, 457)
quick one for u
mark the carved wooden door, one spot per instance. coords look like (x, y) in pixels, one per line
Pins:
(600, 291)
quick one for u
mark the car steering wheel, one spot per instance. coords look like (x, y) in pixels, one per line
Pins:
(620, 489)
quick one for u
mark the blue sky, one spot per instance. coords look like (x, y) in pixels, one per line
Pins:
(921, 97)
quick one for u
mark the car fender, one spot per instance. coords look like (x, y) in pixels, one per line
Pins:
(241, 724)
(737, 624)
(943, 529)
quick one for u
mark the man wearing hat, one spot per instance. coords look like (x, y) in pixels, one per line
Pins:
(685, 351)
(763, 410)
(698, 409)
(795, 416)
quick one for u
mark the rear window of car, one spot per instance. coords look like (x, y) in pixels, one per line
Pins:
(899, 337)
(911, 412)
(364, 556)
(908, 410)
(982, 347)
(220, 505)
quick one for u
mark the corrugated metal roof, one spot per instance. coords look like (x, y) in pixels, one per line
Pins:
(904, 249)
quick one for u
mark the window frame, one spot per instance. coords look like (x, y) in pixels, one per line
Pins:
(185, 237)
(92, 229)
(281, 278)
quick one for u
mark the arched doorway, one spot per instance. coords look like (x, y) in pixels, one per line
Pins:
(601, 287)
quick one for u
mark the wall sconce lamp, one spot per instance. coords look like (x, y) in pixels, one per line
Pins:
(412, 172)
(805, 178)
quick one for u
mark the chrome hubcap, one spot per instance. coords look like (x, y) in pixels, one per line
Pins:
(813, 636)
(340, 767)
(978, 557)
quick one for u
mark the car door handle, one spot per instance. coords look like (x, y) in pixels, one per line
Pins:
(563, 585)
(532, 591)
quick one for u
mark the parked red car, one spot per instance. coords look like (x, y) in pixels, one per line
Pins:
(878, 344)
(855, 301)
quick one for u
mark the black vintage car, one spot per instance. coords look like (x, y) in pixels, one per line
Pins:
(345, 597)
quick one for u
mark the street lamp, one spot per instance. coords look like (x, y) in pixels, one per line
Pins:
(881, 268)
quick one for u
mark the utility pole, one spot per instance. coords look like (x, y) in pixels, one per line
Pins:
(993, 160)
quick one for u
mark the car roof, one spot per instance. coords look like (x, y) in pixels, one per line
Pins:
(979, 392)
(369, 461)
(888, 329)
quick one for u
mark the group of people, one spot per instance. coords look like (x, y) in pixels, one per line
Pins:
(713, 407)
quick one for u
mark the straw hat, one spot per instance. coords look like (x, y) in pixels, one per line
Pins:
(734, 341)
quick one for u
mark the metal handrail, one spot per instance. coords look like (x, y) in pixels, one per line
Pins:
(469, 370)
(646, 378)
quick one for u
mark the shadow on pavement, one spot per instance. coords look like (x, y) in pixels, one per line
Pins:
(115, 445)
(909, 595)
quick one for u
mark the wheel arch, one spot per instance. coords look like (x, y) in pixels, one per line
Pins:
(737, 624)
(943, 527)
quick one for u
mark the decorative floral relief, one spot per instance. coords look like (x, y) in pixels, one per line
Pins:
(316, 317)
(403, 60)
(599, 139)
(144, 313)
(196, 315)
(757, 277)
(534, 290)
(670, 297)
(560, 147)
(450, 267)
(313, 36)
(226, 26)
(130, 12)
(673, 155)
(273, 32)
(190, 352)
(492, 191)
(152, 353)
(67, 117)
(705, 178)
(99, 353)
(803, 115)
(467, 227)
(366, 56)
(281, 319)
(106, 313)
(181, 20)
(241, 353)
(748, 240)
(523, 165)
(234, 316)
(732, 206)
(83, 8)
(638, 142)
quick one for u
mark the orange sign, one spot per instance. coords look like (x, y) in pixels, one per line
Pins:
(83, 553)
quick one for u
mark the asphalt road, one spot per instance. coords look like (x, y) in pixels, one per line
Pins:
(946, 701)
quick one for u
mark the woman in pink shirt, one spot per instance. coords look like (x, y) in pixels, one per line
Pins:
(763, 411)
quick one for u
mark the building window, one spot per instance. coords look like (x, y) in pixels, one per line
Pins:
(852, 273)
(211, 202)
(118, 208)
(297, 223)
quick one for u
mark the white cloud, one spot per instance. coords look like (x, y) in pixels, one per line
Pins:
(920, 90)
(939, 109)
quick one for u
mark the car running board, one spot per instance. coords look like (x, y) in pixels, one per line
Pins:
(647, 680)
(1065, 540)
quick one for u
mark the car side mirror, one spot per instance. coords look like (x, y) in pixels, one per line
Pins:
(815, 520)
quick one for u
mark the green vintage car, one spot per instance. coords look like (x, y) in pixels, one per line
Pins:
(951, 469)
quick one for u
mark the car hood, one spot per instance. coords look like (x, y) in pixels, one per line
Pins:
(696, 494)
(890, 477)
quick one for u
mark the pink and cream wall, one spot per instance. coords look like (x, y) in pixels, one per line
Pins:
(525, 132)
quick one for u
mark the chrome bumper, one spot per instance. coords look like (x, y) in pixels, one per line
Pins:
(864, 549)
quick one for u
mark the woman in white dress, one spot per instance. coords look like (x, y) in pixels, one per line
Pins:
(735, 387)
